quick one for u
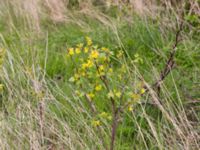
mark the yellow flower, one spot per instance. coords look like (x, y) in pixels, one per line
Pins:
(88, 40)
(110, 70)
(142, 91)
(91, 95)
(130, 108)
(100, 71)
(86, 49)
(94, 54)
(87, 65)
(71, 51)
(84, 66)
(118, 94)
(101, 68)
(96, 123)
(98, 87)
(78, 50)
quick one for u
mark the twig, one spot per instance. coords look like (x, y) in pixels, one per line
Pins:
(170, 62)
(114, 128)
(115, 110)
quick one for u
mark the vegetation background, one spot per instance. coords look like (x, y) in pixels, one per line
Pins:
(39, 107)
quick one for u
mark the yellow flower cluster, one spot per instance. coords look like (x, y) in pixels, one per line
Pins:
(96, 123)
(77, 50)
(114, 93)
(95, 74)
(94, 54)
(135, 96)
(89, 41)
(130, 107)
(92, 61)
(87, 65)
(98, 87)
(71, 51)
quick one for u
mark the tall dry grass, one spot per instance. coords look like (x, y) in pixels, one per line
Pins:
(34, 11)
(33, 124)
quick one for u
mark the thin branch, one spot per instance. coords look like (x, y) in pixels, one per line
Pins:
(114, 109)
(170, 62)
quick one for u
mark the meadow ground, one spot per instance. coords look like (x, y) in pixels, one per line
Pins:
(99, 75)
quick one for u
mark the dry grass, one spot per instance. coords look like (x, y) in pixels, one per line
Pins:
(32, 115)
(34, 11)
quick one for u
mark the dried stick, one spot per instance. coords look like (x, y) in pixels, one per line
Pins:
(170, 62)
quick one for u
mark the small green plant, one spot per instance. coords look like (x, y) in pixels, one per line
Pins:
(104, 78)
